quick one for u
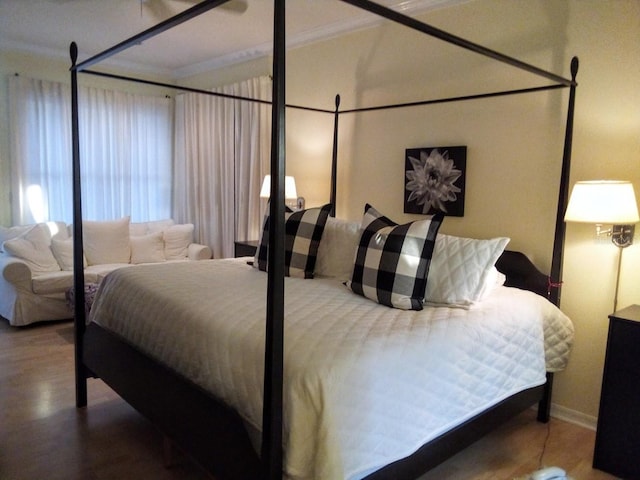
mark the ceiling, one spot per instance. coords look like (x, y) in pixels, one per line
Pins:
(214, 39)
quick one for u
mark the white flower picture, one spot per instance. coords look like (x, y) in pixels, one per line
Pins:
(434, 180)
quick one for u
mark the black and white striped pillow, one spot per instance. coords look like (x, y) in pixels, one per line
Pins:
(303, 232)
(392, 261)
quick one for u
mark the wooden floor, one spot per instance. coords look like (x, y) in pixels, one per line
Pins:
(43, 435)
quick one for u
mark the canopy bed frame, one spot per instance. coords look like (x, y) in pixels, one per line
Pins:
(211, 432)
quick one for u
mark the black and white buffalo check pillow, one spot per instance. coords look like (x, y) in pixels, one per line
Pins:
(303, 232)
(392, 261)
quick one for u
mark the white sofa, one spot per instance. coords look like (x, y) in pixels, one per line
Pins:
(36, 261)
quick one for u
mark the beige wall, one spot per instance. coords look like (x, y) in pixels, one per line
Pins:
(514, 143)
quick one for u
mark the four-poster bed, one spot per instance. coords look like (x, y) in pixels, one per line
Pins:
(209, 429)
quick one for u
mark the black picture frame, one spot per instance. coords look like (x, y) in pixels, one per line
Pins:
(434, 180)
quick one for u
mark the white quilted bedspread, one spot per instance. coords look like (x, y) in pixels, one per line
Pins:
(365, 385)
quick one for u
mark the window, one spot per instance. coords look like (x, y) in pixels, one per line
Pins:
(125, 153)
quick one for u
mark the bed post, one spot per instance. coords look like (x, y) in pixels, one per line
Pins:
(563, 194)
(555, 277)
(271, 454)
(334, 158)
(78, 273)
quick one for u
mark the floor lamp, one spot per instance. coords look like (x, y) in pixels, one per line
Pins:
(606, 202)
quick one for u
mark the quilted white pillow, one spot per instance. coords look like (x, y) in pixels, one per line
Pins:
(337, 248)
(106, 241)
(177, 239)
(461, 271)
(33, 248)
(148, 248)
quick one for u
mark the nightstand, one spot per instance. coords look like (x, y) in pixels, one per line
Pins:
(245, 248)
(617, 449)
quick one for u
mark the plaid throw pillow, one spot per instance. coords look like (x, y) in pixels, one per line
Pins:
(392, 261)
(303, 231)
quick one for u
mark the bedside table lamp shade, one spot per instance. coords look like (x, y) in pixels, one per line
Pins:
(290, 192)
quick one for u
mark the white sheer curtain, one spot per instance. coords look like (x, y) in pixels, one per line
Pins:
(40, 130)
(125, 153)
(221, 155)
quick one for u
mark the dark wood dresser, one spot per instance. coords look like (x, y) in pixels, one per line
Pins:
(617, 449)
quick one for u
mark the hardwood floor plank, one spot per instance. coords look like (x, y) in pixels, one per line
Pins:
(43, 435)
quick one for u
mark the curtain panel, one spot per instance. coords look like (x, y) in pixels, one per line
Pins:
(125, 153)
(221, 155)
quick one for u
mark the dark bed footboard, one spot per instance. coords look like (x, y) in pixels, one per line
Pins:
(212, 433)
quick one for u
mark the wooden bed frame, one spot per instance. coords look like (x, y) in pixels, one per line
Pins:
(212, 433)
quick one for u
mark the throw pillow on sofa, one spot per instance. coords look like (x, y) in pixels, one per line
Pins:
(63, 251)
(106, 242)
(8, 233)
(33, 248)
(147, 248)
(177, 239)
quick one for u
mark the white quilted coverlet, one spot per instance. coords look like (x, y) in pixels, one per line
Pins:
(365, 385)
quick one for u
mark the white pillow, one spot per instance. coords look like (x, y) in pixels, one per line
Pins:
(7, 233)
(33, 248)
(177, 239)
(337, 248)
(147, 248)
(138, 229)
(461, 271)
(56, 230)
(63, 252)
(106, 241)
(159, 225)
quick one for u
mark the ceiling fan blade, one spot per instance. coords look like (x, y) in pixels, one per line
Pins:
(235, 6)
(158, 9)
(232, 6)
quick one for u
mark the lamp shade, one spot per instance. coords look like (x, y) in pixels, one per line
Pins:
(290, 192)
(602, 201)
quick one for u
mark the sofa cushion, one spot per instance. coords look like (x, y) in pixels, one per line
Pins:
(138, 229)
(159, 225)
(7, 233)
(33, 248)
(63, 252)
(106, 241)
(96, 273)
(52, 282)
(177, 239)
(148, 248)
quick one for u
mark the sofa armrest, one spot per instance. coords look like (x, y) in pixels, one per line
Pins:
(199, 252)
(15, 271)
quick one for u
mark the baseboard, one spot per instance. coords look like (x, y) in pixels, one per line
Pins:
(573, 416)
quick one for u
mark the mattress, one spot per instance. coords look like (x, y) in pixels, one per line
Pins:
(364, 384)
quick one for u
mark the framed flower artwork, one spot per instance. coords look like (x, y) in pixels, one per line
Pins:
(434, 180)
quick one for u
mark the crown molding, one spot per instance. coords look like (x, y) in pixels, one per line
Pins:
(63, 55)
(407, 7)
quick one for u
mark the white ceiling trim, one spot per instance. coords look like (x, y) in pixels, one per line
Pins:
(407, 7)
(12, 45)
(326, 32)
